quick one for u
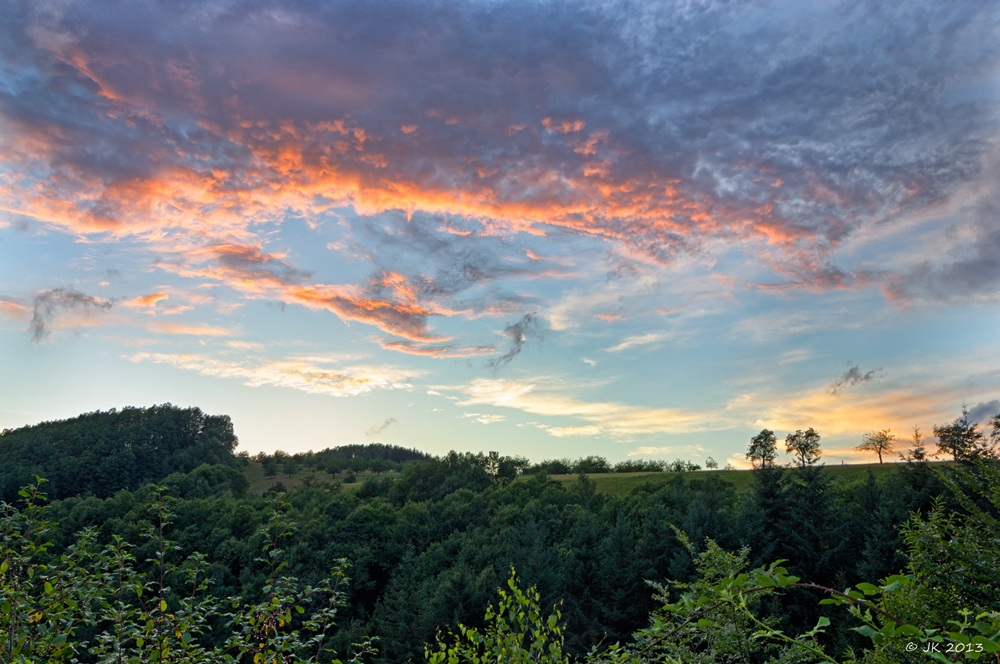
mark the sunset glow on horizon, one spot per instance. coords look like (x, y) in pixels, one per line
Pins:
(631, 229)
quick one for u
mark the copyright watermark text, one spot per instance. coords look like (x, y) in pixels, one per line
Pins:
(944, 648)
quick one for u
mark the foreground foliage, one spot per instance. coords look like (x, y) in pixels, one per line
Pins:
(426, 552)
(100, 604)
(945, 608)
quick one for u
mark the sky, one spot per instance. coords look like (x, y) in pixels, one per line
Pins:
(551, 229)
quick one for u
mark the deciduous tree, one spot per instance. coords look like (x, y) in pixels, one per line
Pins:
(805, 446)
(878, 441)
(763, 449)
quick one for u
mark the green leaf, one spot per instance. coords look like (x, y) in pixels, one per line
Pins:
(49, 590)
(988, 644)
(895, 582)
(868, 589)
(163, 605)
(705, 622)
(784, 580)
(889, 629)
(300, 609)
(822, 622)
(3, 567)
(983, 628)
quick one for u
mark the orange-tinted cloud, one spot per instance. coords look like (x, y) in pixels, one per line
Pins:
(145, 300)
(188, 139)
(274, 164)
(14, 309)
(616, 420)
(435, 350)
(195, 330)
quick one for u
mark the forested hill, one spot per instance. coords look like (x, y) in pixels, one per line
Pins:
(104, 451)
(372, 451)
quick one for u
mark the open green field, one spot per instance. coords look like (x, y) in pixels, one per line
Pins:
(620, 484)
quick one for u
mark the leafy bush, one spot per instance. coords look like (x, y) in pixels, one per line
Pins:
(638, 466)
(516, 634)
(99, 602)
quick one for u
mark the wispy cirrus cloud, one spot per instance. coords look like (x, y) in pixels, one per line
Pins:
(435, 349)
(637, 340)
(294, 373)
(15, 309)
(199, 330)
(487, 418)
(613, 419)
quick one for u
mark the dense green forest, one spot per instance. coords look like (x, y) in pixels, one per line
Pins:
(428, 542)
(104, 452)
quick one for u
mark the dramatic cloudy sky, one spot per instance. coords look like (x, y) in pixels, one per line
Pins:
(547, 228)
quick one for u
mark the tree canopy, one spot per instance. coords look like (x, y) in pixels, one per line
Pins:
(805, 446)
(763, 449)
(105, 451)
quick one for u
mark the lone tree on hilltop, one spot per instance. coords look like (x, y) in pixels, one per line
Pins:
(763, 449)
(804, 445)
(877, 442)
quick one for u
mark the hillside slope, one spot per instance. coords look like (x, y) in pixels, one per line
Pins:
(105, 451)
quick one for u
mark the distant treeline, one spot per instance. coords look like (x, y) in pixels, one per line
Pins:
(379, 458)
(105, 451)
(373, 457)
(598, 464)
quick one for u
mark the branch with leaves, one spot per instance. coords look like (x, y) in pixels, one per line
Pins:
(134, 615)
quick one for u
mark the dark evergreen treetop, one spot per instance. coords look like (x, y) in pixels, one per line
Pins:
(105, 451)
